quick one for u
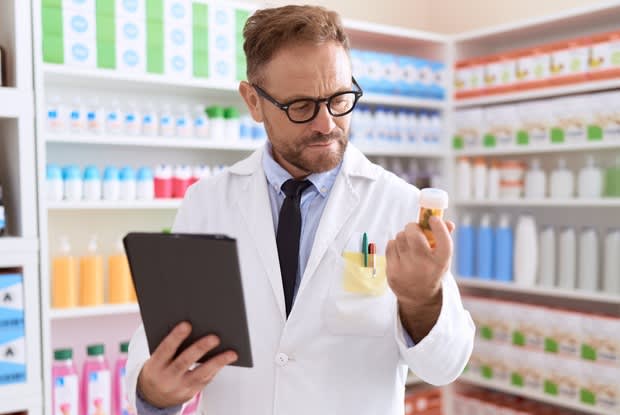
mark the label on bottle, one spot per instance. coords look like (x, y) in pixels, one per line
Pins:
(66, 395)
(122, 373)
(98, 393)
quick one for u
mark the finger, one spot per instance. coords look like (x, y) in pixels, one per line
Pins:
(166, 350)
(191, 355)
(392, 260)
(443, 241)
(205, 372)
(417, 240)
(401, 244)
(451, 226)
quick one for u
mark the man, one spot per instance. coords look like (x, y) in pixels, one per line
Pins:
(327, 336)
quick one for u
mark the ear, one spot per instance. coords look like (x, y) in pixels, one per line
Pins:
(251, 98)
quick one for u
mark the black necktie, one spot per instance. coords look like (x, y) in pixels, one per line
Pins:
(287, 237)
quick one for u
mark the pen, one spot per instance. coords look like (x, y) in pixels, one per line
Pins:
(372, 258)
(365, 248)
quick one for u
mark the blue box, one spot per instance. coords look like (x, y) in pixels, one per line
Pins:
(12, 355)
(11, 301)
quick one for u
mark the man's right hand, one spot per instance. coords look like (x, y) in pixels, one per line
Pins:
(166, 381)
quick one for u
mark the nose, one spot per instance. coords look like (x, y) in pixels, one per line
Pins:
(324, 121)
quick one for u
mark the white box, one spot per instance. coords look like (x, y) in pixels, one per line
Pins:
(222, 51)
(131, 45)
(80, 53)
(134, 9)
(82, 6)
(177, 50)
(79, 25)
(11, 300)
(80, 38)
(178, 12)
(12, 355)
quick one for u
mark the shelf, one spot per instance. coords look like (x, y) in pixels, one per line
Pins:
(549, 148)
(14, 103)
(538, 396)
(18, 398)
(170, 142)
(539, 290)
(18, 245)
(406, 102)
(117, 205)
(562, 203)
(104, 310)
(549, 92)
(396, 150)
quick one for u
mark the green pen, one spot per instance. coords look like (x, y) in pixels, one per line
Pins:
(365, 249)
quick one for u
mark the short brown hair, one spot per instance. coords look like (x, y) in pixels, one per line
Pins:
(268, 30)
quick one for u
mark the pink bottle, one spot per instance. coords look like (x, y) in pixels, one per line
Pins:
(163, 181)
(96, 383)
(181, 181)
(65, 387)
(121, 403)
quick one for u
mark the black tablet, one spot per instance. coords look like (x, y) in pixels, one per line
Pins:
(194, 278)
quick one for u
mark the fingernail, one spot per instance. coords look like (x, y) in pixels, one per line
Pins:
(212, 341)
(184, 328)
(232, 357)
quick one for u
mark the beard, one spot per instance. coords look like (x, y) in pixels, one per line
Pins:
(297, 152)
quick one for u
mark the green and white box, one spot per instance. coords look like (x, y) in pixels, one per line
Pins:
(222, 52)
(79, 37)
(178, 38)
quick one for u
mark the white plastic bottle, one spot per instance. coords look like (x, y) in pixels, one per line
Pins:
(145, 187)
(72, 183)
(562, 184)
(526, 250)
(150, 121)
(114, 119)
(611, 269)
(535, 181)
(463, 179)
(588, 260)
(166, 122)
(590, 181)
(546, 257)
(127, 184)
(567, 259)
(53, 183)
(92, 184)
(77, 116)
(183, 122)
(95, 115)
(132, 120)
(201, 122)
(480, 179)
(111, 184)
(56, 115)
(493, 180)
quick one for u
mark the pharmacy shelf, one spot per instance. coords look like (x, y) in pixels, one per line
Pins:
(539, 290)
(12, 245)
(405, 102)
(170, 142)
(104, 310)
(548, 148)
(549, 92)
(116, 205)
(556, 203)
(538, 396)
(399, 151)
(14, 102)
(19, 397)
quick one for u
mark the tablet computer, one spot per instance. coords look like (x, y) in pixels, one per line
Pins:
(194, 278)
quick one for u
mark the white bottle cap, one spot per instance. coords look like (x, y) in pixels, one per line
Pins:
(433, 198)
(504, 221)
(65, 246)
(485, 221)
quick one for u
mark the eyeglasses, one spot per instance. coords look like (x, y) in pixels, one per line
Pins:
(304, 110)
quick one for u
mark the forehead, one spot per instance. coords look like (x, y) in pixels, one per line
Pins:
(308, 69)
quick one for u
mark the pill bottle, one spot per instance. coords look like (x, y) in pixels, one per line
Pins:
(433, 202)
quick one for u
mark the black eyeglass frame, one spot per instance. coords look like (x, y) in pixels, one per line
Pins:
(317, 102)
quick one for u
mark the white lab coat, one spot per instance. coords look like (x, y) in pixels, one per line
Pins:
(338, 352)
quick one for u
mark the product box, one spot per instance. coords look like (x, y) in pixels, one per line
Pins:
(569, 62)
(563, 378)
(604, 56)
(600, 341)
(131, 44)
(426, 79)
(81, 6)
(529, 326)
(438, 87)
(535, 122)
(600, 387)
(501, 123)
(570, 119)
(131, 9)
(604, 120)
(222, 42)
(374, 71)
(562, 333)
(499, 74)
(391, 74)
(532, 68)
(468, 126)
(12, 355)
(461, 79)
(408, 75)
(79, 38)
(11, 301)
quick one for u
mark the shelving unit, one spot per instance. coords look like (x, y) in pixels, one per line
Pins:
(543, 149)
(555, 203)
(120, 205)
(104, 310)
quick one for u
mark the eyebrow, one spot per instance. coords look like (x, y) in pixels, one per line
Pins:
(299, 96)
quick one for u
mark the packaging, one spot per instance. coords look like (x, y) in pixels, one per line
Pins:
(12, 342)
(438, 87)
(535, 122)
(604, 119)
(425, 78)
(532, 68)
(570, 120)
(533, 370)
(467, 129)
(221, 42)
(529, 326)
(11, 300)
(461, 76)
(359, 68)
(600, 387)
(604, 56)
(79, 37)
(408, 75)
(177, 38)
(563, 378)
(569, 62)
(391, 74)
(131, 44)
(500, 126)
(600, 341)
(562, 333)
(499, 74)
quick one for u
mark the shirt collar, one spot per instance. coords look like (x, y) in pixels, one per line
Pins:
(277, 175)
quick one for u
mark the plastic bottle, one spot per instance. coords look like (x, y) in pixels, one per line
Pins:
(166, 122)
(567, 259)
(590, 180)
(181, 180)
(183, 122)
(95, 115)
(72, 183)
(493, 180)
(504, 240)
(96, 383)
(464, 179)
(198, 172)
(465, 250)
(64, 277)
(526, 251)
(65, 385)
(611, 268)
(150, 121)
(91, 276)
(535, 181)
(77, 116)
(201, 122)
(111, 184)
(232, 125)
(132, 120)
(120, 401)
(53, 183)
(612, 180)
(433, 202)
(163, 181)
(217, 128)
(120, 284)
(56, 115)
(127, 179)
(145, 188)
(480, 179)
(546, 263)
(562, 183)
(92, 184)
(588, 260)
(245, 130)
(485, 249)
(114, 119)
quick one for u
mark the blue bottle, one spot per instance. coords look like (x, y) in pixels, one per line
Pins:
(485, 247)
(503, 259)
(465, 247)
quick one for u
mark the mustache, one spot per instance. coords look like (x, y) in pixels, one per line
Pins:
(324, 138)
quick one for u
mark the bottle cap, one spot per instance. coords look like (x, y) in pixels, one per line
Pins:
(145, 174)
(95, 350)
(91, 173)
(127, 174)
(215, 112)
(53, 172)
(124, 348)
(63, 354)
(433, 198)
(163, 171)
(485, 220)
(110, 173)
(71, 172)
(231, 113)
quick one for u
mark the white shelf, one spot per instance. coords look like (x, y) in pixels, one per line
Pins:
(538, 396)
(170, 142)
(400, 101)
(14, 102)
(12, 245)
(548, 92)
(399, 151)
(539, 290)
(548, 148)
(564, 203)
(118, 205)
(104, 310)
(19, 397)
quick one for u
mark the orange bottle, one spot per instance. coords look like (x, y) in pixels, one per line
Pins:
(91, 276)
(64, 277)
(120, 286)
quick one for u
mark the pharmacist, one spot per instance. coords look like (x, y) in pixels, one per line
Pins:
(325, 340)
